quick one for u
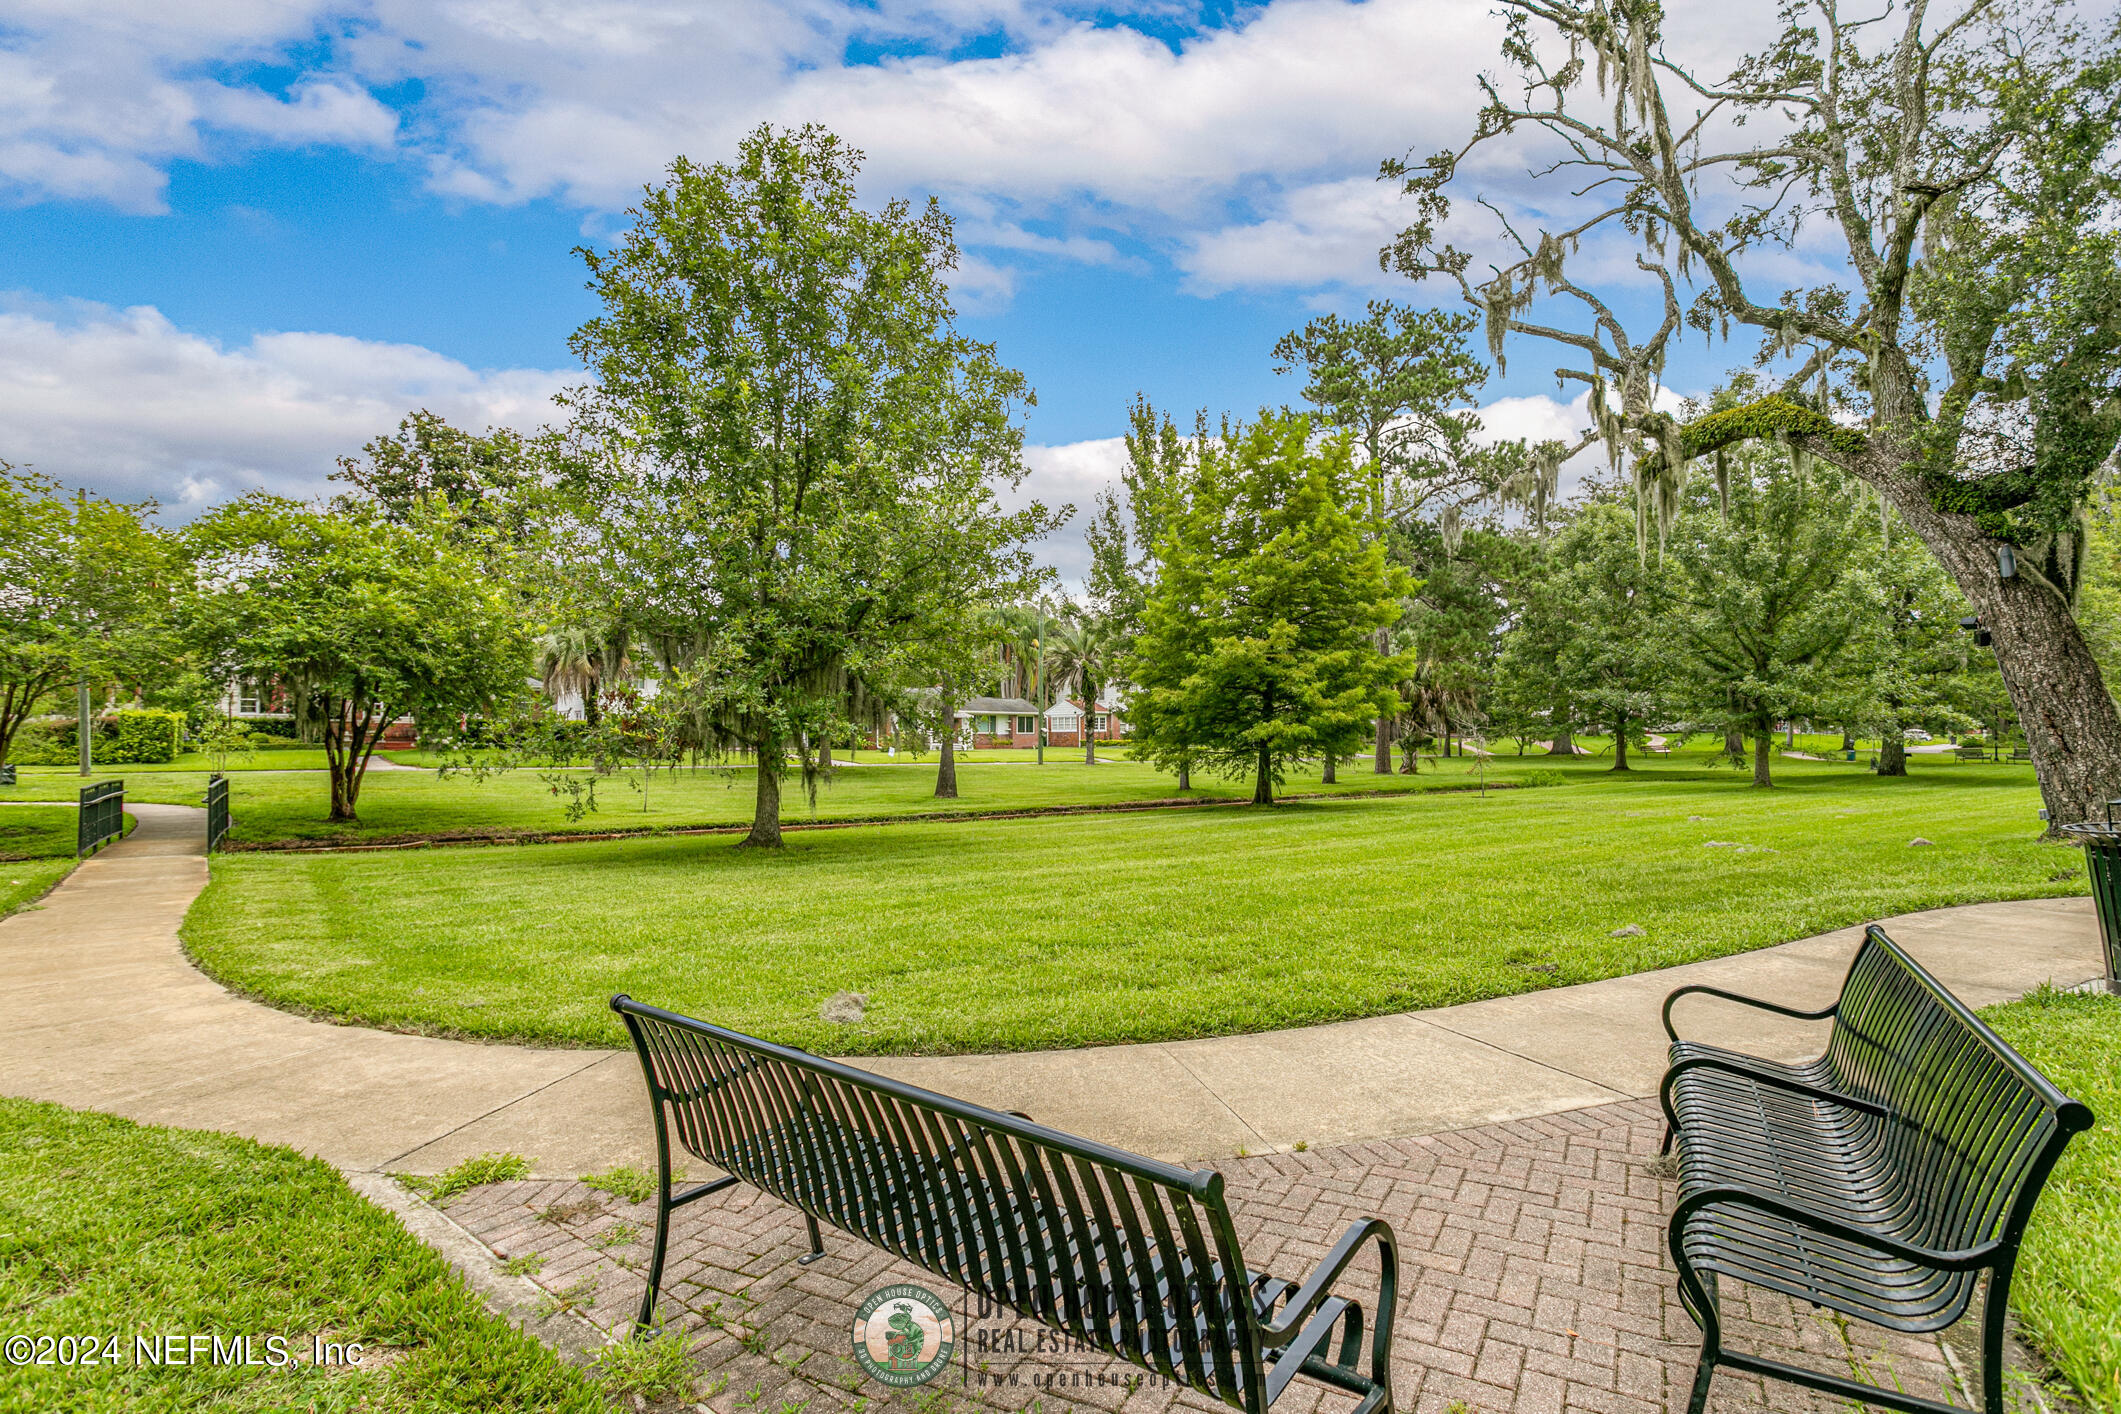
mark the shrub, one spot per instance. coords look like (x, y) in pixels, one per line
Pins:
(40, 745)
(1545, 776)
(149, 736)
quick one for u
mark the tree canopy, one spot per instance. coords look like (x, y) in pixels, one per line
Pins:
(785, 469)
(362, 617)
(1257, 643)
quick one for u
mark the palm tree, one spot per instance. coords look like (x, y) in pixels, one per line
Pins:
(583, 659)
(1084, 649)
(1025, 633)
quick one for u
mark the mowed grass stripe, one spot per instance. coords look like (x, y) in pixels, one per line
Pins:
(1102, 929)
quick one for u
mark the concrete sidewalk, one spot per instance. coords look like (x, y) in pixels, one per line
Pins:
(106, 1013)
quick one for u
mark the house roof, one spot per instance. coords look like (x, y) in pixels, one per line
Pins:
(990, 706)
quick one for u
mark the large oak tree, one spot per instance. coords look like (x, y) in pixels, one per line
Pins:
(1958, 162)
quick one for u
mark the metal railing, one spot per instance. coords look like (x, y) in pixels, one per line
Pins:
(216, 810)
(102, 816)
(7, 774)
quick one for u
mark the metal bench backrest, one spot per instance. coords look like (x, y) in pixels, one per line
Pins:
(1974, 1128)
(1134, 1257)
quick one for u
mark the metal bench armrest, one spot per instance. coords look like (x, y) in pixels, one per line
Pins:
(1326, 1273)
(1775, 1007)
(1762, 1077)
(1318, 1286)
(1962, 1259)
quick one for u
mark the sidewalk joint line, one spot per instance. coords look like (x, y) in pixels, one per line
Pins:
(436, 1139)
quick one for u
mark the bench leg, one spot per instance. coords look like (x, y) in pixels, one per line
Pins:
(817, 1243)
(1704, 1373)
(643, 1321)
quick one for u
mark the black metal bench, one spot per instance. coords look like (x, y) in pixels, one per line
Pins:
(1125, 1254)
(2021, 753)
(1878, 1180)
(1971, 753)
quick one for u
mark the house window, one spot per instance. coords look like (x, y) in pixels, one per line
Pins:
(1027, 724)
(1100, 722)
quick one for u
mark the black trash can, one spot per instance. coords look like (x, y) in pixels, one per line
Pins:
(2102, 861)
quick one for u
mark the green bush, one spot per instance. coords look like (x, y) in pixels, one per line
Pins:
(1545, 776)
(40, 745)
(146, 737)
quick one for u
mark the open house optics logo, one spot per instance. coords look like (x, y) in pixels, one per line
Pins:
(903, 1335)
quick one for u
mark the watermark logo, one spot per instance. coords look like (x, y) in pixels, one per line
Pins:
(903, 1335)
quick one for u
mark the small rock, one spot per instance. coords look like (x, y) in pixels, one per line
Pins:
(1632, 930)
(1918, 840)
(844, 1008)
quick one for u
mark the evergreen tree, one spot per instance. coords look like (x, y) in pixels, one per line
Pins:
(1257, 643)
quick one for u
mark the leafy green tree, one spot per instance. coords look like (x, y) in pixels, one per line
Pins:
(1959, 164)
(362, 617)
(1257, 645)
(1398, 380)
(1453, 623)
(1768, 597)
(1911, 664)
(85, 585)
(1606, 608)
(481, 476)
(788, 456)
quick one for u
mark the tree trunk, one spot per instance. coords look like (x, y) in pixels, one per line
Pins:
(1848, 740)
(1734, 745)
(1185, 775)
(2069, 720)
(766, 810)
(1892, 754)
(1620, 745)
(1263, 780)
(1563, 744)
(1383, 760)
(1328, 777)
(1763, 750)
(1790, 740)
(946, 773)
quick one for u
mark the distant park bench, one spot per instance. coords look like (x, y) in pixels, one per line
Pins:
(2021, 753)
(1971, 753)
(1125, 1254)
(1879, 1180)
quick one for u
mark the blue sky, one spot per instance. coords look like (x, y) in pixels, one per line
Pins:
(243, 236)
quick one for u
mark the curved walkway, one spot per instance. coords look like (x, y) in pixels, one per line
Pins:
(103, 1011)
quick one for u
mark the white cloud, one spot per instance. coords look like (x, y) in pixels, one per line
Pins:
(1070, 473)
(127, 403)
(324, 112)
(1324, 233)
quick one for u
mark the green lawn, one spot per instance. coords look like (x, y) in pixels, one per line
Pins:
(36, 852)
(2068, 1284)
(1023, 934)
(127, 1230)
(406, 804)
(38, 832)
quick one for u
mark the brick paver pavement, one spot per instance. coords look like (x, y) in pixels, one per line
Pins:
(1533, 1281)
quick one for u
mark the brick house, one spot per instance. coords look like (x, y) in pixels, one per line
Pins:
(985, 723)
(1064, 720)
